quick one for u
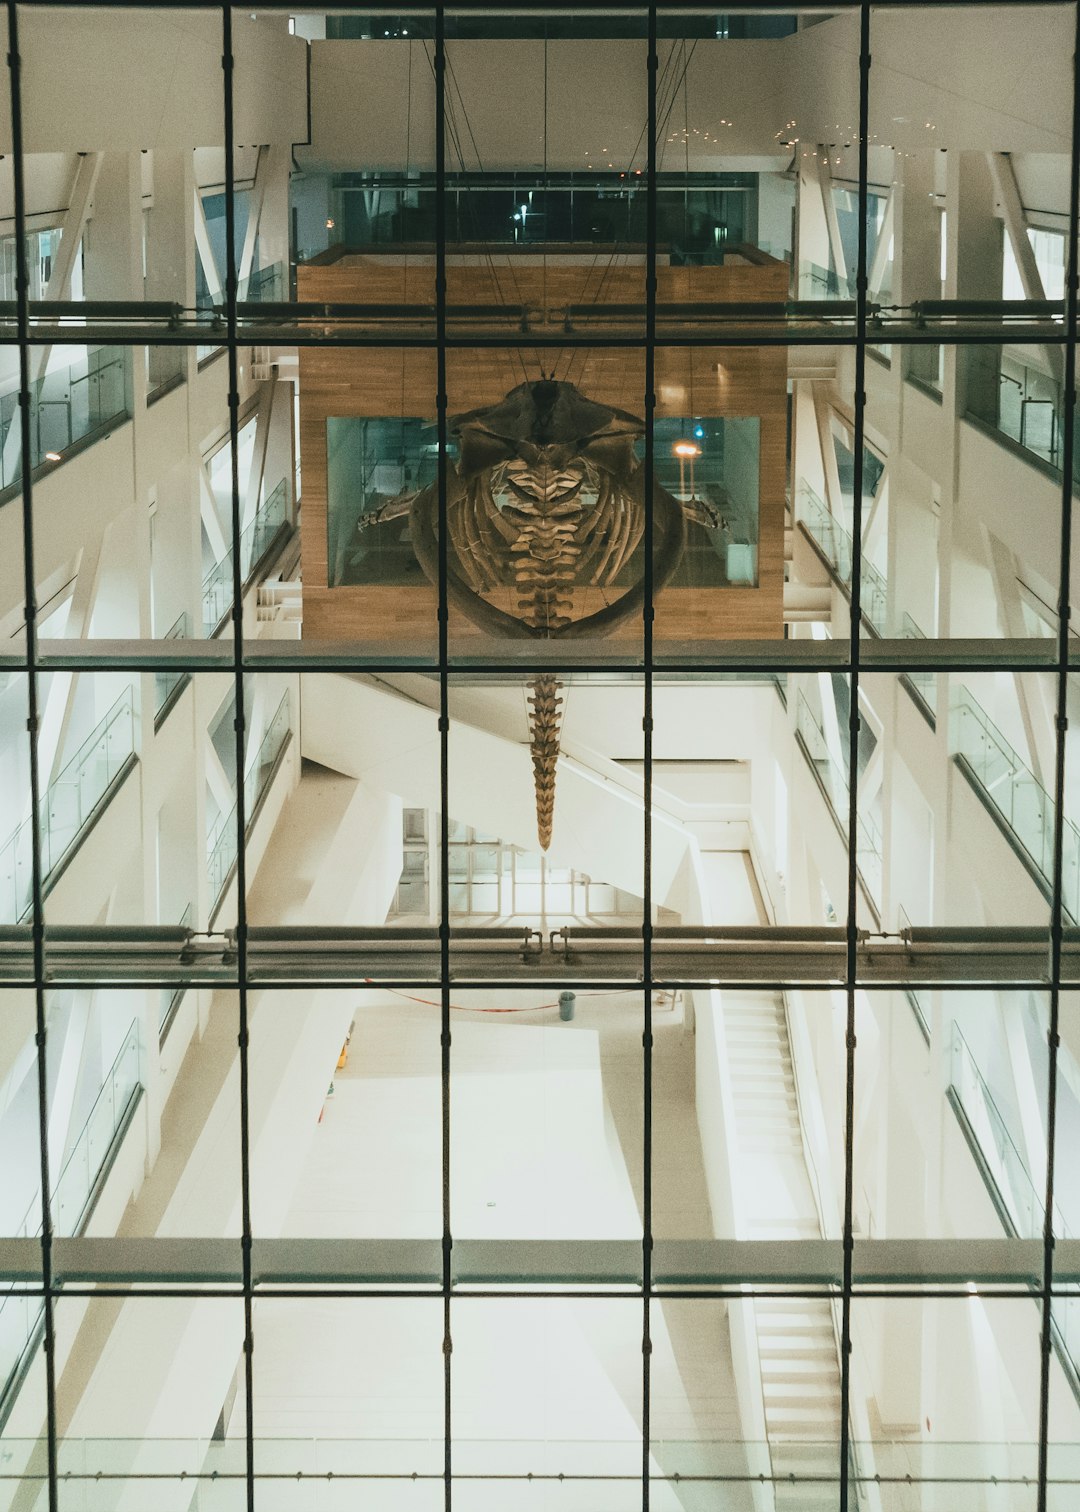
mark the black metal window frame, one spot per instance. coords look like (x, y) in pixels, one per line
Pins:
(234, 656)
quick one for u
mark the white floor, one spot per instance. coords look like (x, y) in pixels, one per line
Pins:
(546, 1130)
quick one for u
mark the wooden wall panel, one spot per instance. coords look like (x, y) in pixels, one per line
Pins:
(388, 382)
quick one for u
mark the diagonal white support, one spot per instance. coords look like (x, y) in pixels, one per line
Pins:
(878, 513)
(206, 252)
(1026, 1085)
(70, 1059)
(1033, 695)
(72, 228)
(257, 471)
(832, 223)
(1007, 192)
(830, 470)
(216, 533)
(880, 260)
(255, 209)
(60, 701)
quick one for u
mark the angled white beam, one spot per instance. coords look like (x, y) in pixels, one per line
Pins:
(871, 779)
(218, 780)
(206, 252)
(255, 208)
(257, 471)
(832, 223)
(880, 260)
(1016, 228)
(220, 542)
(72, 227)
(830, 720)
(1027, 1096)
(60, 702)
(830, 470)
(879, 509)
(70, 1058)
(1032, 694)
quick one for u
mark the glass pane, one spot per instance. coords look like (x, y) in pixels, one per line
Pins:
(558, 1075)
(334, 1073)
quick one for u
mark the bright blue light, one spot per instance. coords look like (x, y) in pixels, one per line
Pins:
(699, 432)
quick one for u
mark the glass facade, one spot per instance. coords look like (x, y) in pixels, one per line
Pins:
(540, 861)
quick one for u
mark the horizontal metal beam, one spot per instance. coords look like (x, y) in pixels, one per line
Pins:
(983, 654)
(814, 1263)
(513, 958)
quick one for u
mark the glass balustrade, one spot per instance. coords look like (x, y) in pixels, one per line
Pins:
(68, 405)
(72, 1193)
(1020, 1203)
(255, 539)
(166, 683)
(1019, 401)
(327, 1472)
(921, 685)
(833, 780)
(836, 545)
(165, 366)
(222, 839)
(169, 997)
(68, 805)
(264, 284)
(1004, 1162)
(990, 762)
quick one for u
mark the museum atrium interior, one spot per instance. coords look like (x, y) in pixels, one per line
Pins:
(540, 856)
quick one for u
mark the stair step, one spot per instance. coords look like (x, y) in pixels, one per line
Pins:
(788, 1333)
(815, 1419)
(770, 1066)
(806, 1369)
(810, 1308)
(758, 1144)
(798, 1394)
(817, 1458)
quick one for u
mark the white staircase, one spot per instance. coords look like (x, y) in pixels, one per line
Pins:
(800, 1372)
(280, 600)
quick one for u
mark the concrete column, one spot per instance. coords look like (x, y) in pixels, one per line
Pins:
(170, 254)
(113, 239)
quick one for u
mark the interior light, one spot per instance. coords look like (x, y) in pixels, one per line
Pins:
(686, 449)
(52, 456)
(329, 222)
(699, 432)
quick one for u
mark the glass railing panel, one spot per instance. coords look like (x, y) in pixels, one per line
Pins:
(922, 684)
(80, 1171)
(84, 781)
(168, 997)
(1015, 792)
(999, 1151)
(255, 539)
(836, 545)
(266, 284)
(164, 369)
(269, 750)
(1016, 398)
(325, 1473)
(167, 682)
(68, 804)
(72, 1191)
(868, 837)
(221, 841)
(67, 406)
